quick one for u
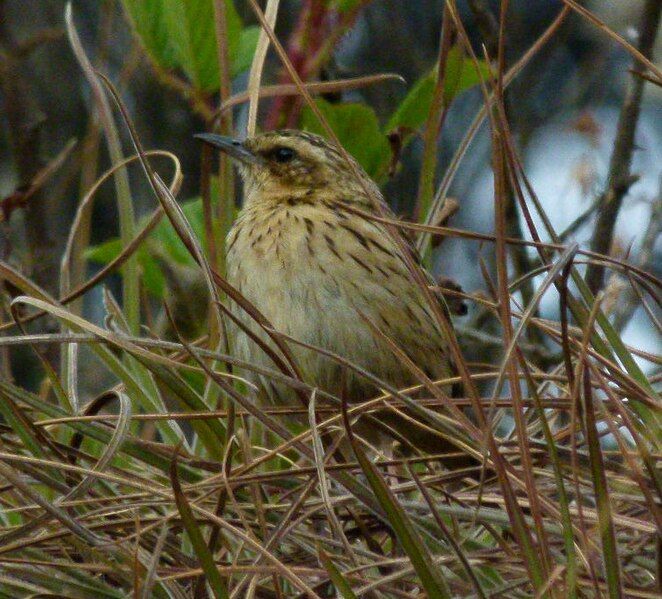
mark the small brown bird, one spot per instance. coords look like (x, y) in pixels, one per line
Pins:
(316, 270)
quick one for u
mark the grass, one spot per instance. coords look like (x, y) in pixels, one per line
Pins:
(176, 482)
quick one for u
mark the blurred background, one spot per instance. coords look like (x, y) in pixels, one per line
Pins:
(563, 110)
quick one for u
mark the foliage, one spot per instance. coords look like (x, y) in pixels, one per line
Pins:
(176, 483)
(461, 74)
(181, 35)
(357, 128)
(162, 244)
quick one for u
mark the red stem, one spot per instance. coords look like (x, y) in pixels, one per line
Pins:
(307, 39)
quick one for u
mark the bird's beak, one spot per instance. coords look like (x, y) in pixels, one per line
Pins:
(232, 147)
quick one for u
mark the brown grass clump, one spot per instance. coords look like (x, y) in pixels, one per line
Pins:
(176, 482)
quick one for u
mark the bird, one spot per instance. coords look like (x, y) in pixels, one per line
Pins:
(305, 253)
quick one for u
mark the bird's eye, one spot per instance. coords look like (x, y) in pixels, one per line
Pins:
(283, 154)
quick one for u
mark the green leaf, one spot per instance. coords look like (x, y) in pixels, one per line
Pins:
(461, 74)
(150, 272)
(414, 109)
(152, 276)
(358, 130)
(182, 34)
(163, 243)
(168, 240)
(148, 20)
(191, 25)
(104, 252)
(346, 5)
(245, 49)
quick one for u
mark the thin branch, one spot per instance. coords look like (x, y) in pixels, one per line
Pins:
(620, 178)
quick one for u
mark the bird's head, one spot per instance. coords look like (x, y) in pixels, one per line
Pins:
(288, 162)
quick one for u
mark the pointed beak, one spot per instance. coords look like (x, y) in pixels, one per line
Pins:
(232, 147)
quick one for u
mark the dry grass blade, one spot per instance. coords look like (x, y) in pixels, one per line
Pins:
(150, 575)
(448, 535)
(109, 452)
(19, 198)
(123, 190)
(609, 545)
(54, 511)
(318, 450)
(255, 74)
(27, 287)
(291, 500)
(431, 577)
(555, 270)
(444, 186)
(89, 198)
(166, 199)
(284, 570)
(336, 577)
(419, 410)
(275, 426)
(313, 87)
(589, 16)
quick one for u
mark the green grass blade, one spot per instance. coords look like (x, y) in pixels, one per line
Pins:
(430, 575)
(606, 523)
(195, 535)
(338, 580)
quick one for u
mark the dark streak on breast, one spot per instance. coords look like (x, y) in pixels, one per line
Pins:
(335, 208)
(256, 240)
(298, 200)
(233, 240)
(332, 245)
(380, 247)
(360, 262)
(395, 270)
(381, 270)
(360, 237)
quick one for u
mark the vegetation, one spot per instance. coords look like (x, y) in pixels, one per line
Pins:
(176, 482)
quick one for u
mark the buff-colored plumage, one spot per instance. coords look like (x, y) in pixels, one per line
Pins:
(311, 266)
